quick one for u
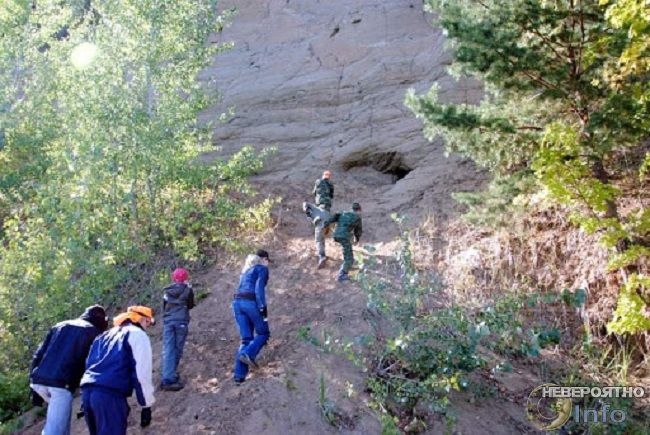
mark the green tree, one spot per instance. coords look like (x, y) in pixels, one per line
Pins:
(553, 110)
(99, 105)
(629, 72)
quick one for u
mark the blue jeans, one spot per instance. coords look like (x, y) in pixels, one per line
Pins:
(174, 335)
(249, 319)
(59, 409)
(105, 411)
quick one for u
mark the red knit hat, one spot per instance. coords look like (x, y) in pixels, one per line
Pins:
(180, 275)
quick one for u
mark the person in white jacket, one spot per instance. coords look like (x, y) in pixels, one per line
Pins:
(119, 363)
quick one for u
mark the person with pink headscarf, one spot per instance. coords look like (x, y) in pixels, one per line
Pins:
(178, 300)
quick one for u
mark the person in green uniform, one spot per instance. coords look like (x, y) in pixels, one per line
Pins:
(324, 191)
(318, 216)
(348, 230)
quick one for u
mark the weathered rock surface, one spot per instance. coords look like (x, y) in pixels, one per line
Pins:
(325, 81)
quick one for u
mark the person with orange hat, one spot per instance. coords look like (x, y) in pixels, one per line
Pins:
(119, 362)
(178, 300)
(324, 191)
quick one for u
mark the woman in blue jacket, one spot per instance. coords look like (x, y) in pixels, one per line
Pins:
(249, 308)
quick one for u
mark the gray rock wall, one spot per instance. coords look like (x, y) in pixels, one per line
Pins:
(325, 81)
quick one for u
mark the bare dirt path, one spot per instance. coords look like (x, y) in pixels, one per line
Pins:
(282, 396)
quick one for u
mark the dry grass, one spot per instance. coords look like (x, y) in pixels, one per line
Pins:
(541, 252)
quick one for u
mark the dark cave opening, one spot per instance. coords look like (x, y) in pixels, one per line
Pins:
(391, 163)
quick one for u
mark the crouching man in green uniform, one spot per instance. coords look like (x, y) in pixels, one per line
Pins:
(348, 225)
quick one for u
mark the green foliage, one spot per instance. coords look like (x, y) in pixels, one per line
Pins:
(632, 314)
(566, 175)
(304, 333)
(418, 355)
(14, 390)
(483, 133)
(565, 95)
(330, 412)
(424, 356)
(326, 406)
(576, 299)
(388, 425)
(635, 254)
(628, 72)
(645, 167)
(506, 329)
(99, 105)
(504, 198)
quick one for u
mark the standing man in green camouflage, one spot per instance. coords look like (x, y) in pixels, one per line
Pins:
(348, 225)
(324, 191)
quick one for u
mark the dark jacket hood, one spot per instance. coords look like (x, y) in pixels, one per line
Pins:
(96, 316)
(174, 292)
(178, 299)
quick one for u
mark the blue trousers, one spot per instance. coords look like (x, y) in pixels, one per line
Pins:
(59, 409)
(105, 412)
(249, 320)
(174, 335)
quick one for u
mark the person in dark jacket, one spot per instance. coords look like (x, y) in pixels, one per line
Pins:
(178, 300)
(348, 227)
(249, 308)
(324, 191)
(119, 362)
(59, 363)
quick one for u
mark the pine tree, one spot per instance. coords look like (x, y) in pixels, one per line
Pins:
(553, 108)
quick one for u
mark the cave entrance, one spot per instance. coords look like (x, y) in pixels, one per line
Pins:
(391, 163)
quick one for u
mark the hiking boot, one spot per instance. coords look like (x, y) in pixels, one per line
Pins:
(176, 386)
(238, 381)
(305, 209)
(321, 261)
(343, 276)
(247, 360)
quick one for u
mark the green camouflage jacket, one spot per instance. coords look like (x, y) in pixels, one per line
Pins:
(348, 223)
(323, 191)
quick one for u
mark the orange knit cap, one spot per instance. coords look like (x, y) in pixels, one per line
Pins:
(134, 313)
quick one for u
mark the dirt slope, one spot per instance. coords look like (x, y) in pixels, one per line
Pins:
(282, 396)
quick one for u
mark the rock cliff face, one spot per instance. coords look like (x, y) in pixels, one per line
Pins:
(325, 81)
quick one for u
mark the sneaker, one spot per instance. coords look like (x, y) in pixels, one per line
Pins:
(343, 276)
(305, 209)
(238, 381)
(247, 360)
(321, 261)
(176, 386)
